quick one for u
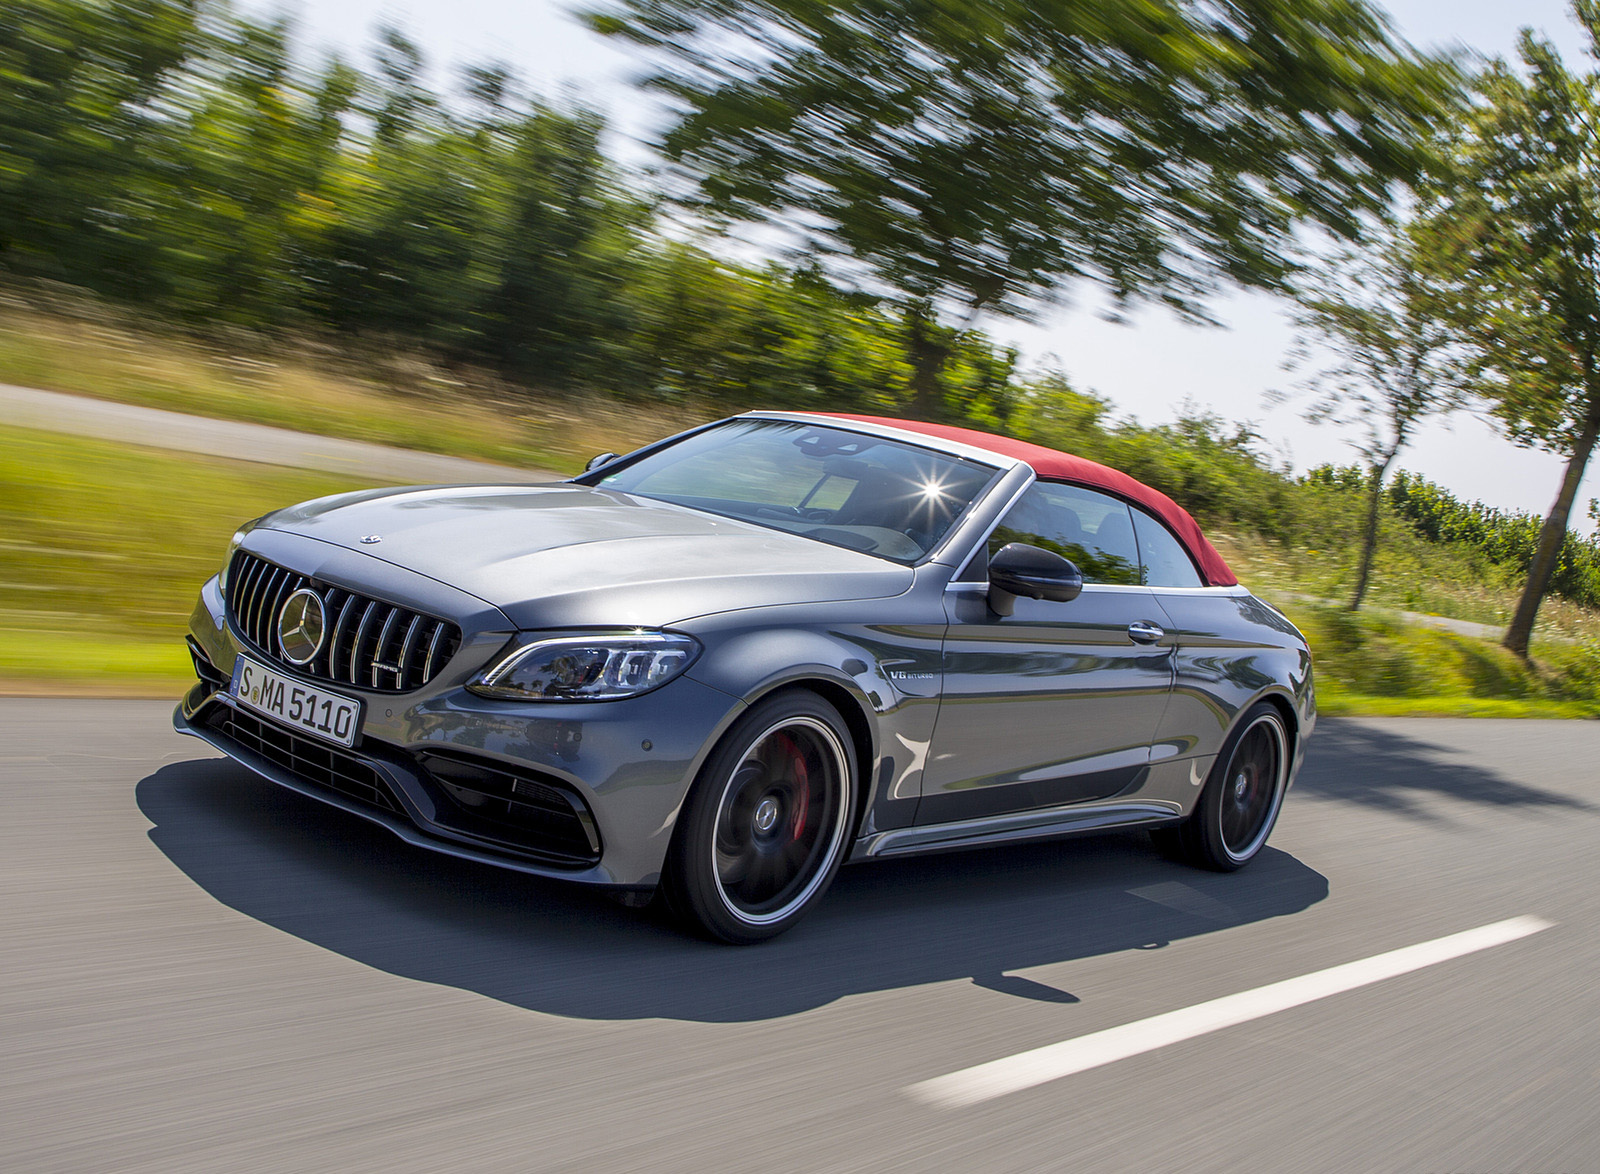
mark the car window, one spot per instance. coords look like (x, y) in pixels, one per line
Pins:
(1092, 530)
(849, 489)
(1165, 562)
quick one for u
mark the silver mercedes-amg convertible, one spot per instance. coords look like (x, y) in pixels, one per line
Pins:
(719, 667)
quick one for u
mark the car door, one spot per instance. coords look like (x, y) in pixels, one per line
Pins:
(1056, 703)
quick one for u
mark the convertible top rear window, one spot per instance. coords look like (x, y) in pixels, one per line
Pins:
(861, 492)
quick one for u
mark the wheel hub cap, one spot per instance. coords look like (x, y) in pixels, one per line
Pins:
(766, 814)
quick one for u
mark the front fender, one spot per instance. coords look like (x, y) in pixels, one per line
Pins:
(885, 677)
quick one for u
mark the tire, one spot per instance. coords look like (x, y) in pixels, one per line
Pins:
(766, 822)
(1242, 797)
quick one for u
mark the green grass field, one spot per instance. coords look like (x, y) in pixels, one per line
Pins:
(102, 549)
(1374, 663)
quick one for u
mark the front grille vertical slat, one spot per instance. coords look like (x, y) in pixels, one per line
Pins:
(433, 651)
(271, 603)
(322, 666)
(361, 635)
(383, 642)
(252, 603)
(247, 594)
(238, 572)
(368, 643)
(408, 649)
(259, 617)
(336, 640)
(281, 591)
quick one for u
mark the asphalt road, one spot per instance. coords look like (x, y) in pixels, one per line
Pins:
(199, 972)
(81, 415)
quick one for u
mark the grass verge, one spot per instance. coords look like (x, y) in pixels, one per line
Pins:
(102, 549)
(1375, 664)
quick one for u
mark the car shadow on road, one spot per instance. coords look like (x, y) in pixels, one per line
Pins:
(1386, 766)
(350, 887)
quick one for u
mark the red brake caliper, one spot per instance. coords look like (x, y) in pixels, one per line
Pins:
(802, 801)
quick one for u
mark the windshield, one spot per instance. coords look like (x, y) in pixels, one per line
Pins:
(861, 492)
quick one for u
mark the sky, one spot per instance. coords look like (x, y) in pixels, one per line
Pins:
(1148, 367)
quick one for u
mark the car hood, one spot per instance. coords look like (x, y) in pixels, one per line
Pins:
(570, 555)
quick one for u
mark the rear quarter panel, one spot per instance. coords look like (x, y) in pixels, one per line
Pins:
(1232, 651)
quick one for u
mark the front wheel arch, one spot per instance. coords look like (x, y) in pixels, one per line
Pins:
(863, 736)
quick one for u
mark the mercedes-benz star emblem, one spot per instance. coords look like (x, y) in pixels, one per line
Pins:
(301, 624)
(369, 539)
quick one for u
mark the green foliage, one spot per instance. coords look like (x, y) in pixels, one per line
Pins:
(223, 184)
(1366, 657)
(1511, 227)
(1507, 537)
(1394, 362)
(79, 84)
(975, 157)
(978, 154)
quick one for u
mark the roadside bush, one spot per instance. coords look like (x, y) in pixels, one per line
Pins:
(1507, 537)
(1369, 654)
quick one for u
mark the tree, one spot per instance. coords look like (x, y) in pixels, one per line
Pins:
(226, 209)
(969, 158)
(1395, 362)
(77, 82)
(1514, 230)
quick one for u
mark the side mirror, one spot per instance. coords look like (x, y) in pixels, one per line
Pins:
(1019, 569)
(604, 458)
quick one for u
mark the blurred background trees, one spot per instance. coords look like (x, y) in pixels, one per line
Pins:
(958, 160)
(926, 163)
(180, 158)
(79, 86)
(1512, 224)
(954, 159)
(1392, 359)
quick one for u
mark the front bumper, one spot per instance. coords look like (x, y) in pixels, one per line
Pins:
(623, 766)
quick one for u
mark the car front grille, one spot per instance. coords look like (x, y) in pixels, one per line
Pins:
(367, 643)
(315, 762)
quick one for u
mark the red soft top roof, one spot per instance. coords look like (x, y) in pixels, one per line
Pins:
(1060, 466)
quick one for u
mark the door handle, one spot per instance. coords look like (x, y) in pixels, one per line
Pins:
(1145, 632)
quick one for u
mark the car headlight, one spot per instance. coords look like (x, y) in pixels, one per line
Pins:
(588, 668)
(233, 546)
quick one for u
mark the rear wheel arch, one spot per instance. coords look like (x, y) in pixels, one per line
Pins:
(1202, 838)
(1291, 719)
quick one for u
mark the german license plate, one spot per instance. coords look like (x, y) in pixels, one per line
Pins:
(318, 712)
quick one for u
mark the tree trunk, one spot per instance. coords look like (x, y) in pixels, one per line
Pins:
(1369, 540)
(1551, 536)
(928, 356)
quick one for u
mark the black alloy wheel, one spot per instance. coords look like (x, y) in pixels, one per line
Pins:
(764, 829)
(1243, 794)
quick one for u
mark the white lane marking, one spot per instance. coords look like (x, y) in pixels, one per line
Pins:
(984, 1082)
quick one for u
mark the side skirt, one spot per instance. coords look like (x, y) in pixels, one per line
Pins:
(1013, 828)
